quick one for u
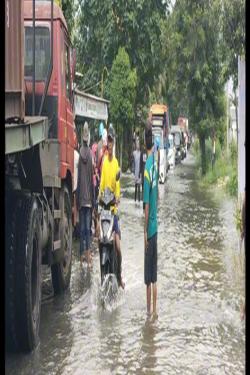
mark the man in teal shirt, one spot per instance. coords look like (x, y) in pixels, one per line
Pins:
(150, 196)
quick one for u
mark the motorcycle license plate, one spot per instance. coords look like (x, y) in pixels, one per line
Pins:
(106, 215)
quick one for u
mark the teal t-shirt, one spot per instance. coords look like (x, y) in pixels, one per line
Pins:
(150, 192)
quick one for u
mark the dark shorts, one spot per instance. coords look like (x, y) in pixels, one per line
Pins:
(150, 261)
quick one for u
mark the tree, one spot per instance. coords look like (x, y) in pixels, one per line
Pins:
(173, 85)
(107, 25)
(194, 63)
(68, 9)
(121, 91)
(233, 28)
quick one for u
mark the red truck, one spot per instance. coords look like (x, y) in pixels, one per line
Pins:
(39, 161)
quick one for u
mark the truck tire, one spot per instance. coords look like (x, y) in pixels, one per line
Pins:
(61, 272)
(25, 275)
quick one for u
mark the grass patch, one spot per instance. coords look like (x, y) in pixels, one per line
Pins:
(224, 171)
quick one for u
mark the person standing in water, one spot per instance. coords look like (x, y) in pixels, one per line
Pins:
(150, 198)
(85, 196)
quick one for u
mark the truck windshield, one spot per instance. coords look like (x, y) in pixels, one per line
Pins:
(42, 52)
(157, 121)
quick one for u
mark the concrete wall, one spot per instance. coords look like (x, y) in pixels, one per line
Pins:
(242, 127)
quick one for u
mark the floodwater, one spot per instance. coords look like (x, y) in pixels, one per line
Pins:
(200, 290)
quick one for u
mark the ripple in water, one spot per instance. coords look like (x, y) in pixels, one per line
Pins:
(198, 330)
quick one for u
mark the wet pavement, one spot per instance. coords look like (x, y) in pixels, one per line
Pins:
(200, 289)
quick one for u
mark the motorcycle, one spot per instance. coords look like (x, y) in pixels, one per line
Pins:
(107, 251)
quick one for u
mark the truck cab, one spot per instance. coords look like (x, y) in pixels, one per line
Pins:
(58, 103)
(159, 115)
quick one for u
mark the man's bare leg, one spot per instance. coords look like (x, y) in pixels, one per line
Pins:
(148, 292)
(154, 299)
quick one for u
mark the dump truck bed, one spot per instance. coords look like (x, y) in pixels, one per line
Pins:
(20, 137)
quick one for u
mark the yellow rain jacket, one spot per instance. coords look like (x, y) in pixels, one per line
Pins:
(108, 177)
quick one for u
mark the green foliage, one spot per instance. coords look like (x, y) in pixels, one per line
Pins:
(121, 91)
(233, 151)
(195, 147)
(224, 171)
(107, 25)
(68, 9)
(183, 58)
(238, 216)
(173, 84)
(209, 151)
(218, 173)
(232, 184)
(192, 41)
(125, 162)
(233, 29)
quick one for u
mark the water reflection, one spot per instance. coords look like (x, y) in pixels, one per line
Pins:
(56, 337)
(148, 357)
(111, 340)
(198, 331)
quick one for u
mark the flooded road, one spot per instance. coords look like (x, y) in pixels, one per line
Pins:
(200, 289)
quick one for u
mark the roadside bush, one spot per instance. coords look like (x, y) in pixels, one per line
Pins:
(196, 152)
(195, 147)
(232, 184)
(233, 151)
(209, 152)
(220, 170)
(238, 216)
(224, 170)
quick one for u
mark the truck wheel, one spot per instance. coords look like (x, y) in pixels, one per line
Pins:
(61, 272)
(24, 279)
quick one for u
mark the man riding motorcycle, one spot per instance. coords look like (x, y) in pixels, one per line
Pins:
(110, 170)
